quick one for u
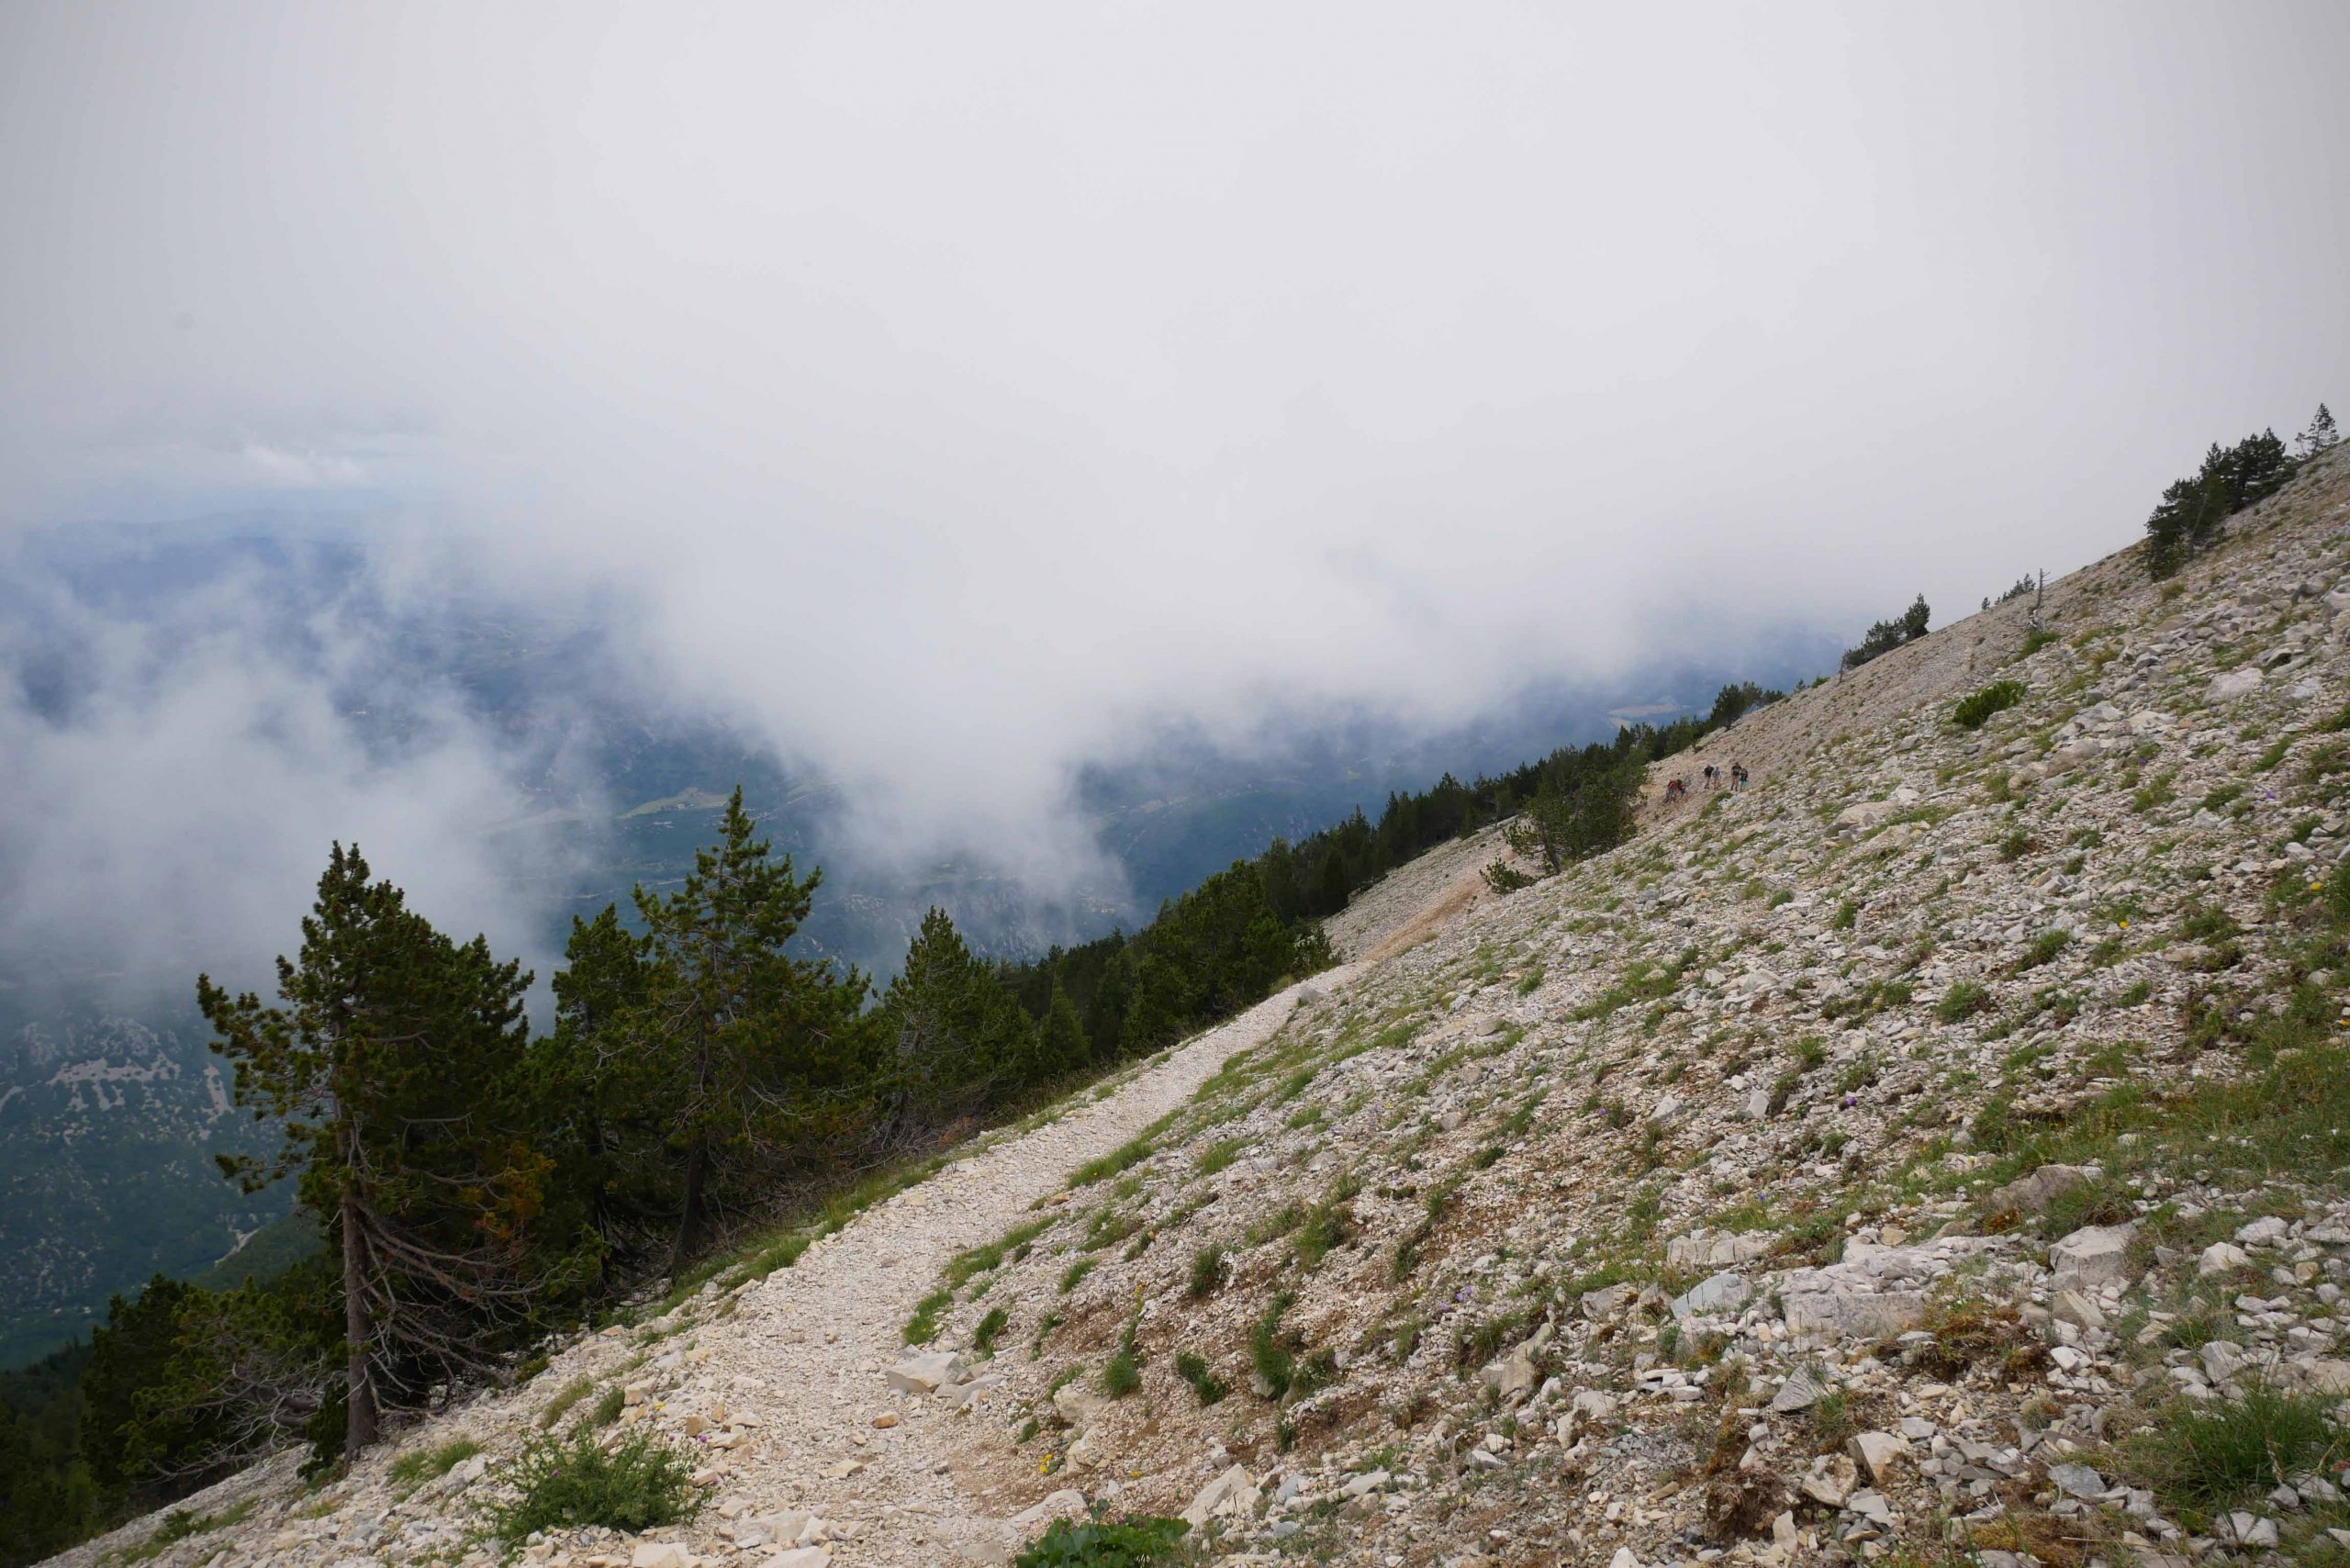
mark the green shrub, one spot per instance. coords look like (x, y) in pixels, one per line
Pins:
(640, 1483)
(1074, 1275)
(1973, 713)
(1138, 1540)
(609, 1405)
(2035, 641)
(990, 1328)
(1122, 1376)
(1505, 878)
(1203, 1380)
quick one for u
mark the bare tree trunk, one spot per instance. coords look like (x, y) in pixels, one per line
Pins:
(689, 1214)
(359, 1373)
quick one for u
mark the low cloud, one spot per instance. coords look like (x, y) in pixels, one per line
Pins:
(176, 779)
(952, 398)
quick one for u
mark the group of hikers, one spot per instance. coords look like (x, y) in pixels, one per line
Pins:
(1735, 775)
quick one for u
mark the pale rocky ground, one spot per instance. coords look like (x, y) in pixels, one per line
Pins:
(1677, 1209)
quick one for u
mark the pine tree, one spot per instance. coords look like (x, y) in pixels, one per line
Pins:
(2320, 437)
(754, 1052)
(596, 1092)
(1914, 619)
(1061, 1045)
(950, 1028)
(130, 1352)
(390, 1066)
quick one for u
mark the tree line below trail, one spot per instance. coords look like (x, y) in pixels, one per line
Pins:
(480, 1186)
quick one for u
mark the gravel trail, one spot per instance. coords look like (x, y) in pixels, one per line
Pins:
(807, 1350)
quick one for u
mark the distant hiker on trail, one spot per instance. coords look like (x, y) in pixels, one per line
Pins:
(1711, 780)
(1738, 776)
(1676, 790)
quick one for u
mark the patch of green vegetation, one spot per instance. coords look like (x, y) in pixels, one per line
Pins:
(1196, 1371)
(1847, 915)
(1962, 1000)
(1273, 1350)
(1642, 980)
(1074, 1275)
(1121, 1160)
(1122, 1375)
(1108, 1226)
(1329, 1225)
(923, 1326)
(640, 1484)
(605, 1411)
(964, 1266)
(1207, 1271)
(1138, 1540)
(1407, 1251)
(1974, 711)
(1219, 1156)
(2042, 948)
(1859, 1074)
(989, 1331)
(419, 1465)
(179, 1525)
(2154, 793)
(569, 1394)
(1515, 1124)
(1831, 1422)
(2205, 1455)
(2035, 641)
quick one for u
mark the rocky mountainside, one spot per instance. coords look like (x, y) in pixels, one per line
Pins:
(1934, 1152)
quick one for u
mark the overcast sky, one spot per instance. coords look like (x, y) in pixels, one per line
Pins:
(956, 390)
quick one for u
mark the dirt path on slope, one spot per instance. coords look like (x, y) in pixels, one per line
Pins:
(809, 1347)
